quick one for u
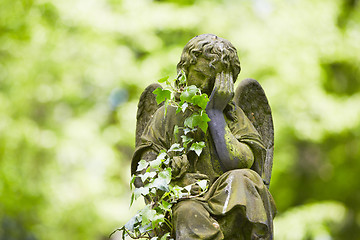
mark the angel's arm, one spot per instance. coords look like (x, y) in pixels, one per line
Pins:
(232, 153)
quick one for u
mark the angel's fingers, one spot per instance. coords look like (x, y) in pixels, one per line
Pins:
(183, 169)
(227, 82)
(231, 83)
(217, 81)
(226, 85)
(185, 164)
(223, 83)
(216, 85)
(200, 176)
(176, 162)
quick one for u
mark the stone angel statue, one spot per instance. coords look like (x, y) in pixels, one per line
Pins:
(238, 153)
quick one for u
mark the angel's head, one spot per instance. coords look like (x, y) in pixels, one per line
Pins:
(206, 55)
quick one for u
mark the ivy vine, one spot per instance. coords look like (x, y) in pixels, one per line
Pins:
(154, 220)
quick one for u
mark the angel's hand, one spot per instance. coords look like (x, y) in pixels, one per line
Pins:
(179, 166)
(223, 91)
(191, 178)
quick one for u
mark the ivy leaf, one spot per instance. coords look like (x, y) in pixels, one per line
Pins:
(132, 181)
(163, 180)
(175, 148)
(162, 155)
(165, 205)
(164, 79)
(182, 79)
(159, 159)
(166, 106)
(147, 215)
(203, 184)
(130, 225)
(200, 120)
(184, 106)
(187, 130)
(203, 121)
(188, 188)
(166, 195)
(145, 228)
(188, 93)
(162, 94)
(197, 147)
(200, 100)
(186, 140)
(142, 165)
(153, 190)
(156, 163)
(141, 191)
(147, 175)
(167, 161)
(165, 236)
(191, 121)
(160, 184)
(177, 191)
(132, 199)
(157, 220)
(166, 175)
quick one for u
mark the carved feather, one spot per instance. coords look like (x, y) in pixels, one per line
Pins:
(147, 106)
(251, 97)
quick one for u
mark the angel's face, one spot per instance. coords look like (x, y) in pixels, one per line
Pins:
(202, 75)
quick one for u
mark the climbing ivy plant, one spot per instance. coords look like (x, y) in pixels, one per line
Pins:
(154, 220)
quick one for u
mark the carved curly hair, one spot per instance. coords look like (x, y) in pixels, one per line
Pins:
(213, 48)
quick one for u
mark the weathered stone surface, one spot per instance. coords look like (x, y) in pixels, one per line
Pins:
(237, 158)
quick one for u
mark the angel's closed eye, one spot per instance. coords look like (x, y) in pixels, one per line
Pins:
(201, 73)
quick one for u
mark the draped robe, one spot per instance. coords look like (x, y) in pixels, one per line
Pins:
(237, 204)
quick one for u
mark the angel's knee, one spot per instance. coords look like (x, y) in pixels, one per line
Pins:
(192, 221)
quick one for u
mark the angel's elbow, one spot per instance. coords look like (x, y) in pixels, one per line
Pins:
(243, 157)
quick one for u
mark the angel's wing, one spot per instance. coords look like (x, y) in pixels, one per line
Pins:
(147, 106)
(251, 97)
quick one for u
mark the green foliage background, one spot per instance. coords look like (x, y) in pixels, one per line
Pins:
(71, 73)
